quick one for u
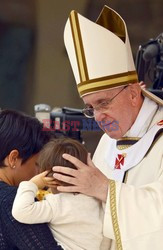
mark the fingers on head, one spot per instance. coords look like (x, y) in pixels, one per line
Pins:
(65, 178)
(65, 170)
(73, 160)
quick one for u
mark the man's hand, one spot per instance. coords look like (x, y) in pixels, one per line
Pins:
(41, 180)
(87, 179)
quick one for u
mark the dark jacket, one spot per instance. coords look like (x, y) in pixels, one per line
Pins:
(15, 235)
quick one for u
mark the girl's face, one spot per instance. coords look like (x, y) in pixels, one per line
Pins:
(25, 171)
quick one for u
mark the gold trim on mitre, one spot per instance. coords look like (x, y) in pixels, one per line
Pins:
(78, 44)
(110, 20)
(107, 82)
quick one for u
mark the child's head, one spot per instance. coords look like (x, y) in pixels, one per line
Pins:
(51, 155)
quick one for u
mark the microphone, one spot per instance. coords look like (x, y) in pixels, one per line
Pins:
(152, 50)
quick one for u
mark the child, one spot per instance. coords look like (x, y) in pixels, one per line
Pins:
(74, 219)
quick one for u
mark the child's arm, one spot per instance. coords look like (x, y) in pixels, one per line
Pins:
(25, 208)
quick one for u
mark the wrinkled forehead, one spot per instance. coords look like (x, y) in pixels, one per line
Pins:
(95, 98)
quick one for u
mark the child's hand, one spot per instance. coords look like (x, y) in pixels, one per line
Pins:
(41, 180)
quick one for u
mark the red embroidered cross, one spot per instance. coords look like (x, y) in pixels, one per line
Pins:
(119, 161)
(160, 123)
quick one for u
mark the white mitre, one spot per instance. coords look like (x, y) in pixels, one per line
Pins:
(100, 53)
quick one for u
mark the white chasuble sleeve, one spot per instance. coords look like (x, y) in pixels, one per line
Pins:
(139, 210)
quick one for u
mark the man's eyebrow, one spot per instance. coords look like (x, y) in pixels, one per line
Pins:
(103, 99)
(98, 101)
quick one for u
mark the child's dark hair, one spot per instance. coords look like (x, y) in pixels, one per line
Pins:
(21, 132)
(51, 155)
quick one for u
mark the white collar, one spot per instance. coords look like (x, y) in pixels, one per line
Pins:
(143, 120)
(119, 161)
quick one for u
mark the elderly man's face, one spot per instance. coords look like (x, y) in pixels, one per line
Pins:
(116, 117)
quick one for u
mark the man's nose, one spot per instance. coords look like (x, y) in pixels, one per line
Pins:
(99, 116)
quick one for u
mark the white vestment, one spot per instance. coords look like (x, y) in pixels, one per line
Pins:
(139, 202)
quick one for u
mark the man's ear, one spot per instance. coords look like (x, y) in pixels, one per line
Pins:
(135, 93)
(12, 158)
